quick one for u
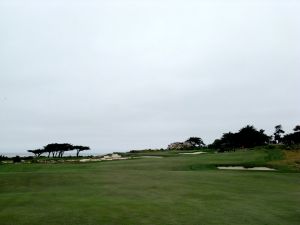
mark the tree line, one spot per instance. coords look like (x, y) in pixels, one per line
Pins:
(249, 137)
(58, 150)
(246, 137)
(288, 139)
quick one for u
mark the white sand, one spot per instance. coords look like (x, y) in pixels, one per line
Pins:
(243, 168)
(191, 153)
(90, 160)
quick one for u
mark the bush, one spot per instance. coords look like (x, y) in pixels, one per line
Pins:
(2, 157)
(17, 159)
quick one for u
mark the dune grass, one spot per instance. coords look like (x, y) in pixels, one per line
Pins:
(185, 189)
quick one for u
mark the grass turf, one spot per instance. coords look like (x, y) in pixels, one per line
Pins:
(185, 189)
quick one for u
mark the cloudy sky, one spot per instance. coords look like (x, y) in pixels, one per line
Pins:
(133, 74)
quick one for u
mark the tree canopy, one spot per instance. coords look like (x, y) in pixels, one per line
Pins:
(80, 148)
(189, 144)
(292, 138)
(247, 137)
(195, 141)
(58, 150)
(277, 134)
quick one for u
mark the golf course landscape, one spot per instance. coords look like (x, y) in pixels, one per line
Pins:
(170, 188)
(143, 112)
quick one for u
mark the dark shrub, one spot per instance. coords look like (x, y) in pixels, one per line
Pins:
(17, 159)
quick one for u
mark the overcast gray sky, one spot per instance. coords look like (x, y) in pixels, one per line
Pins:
(134, 74)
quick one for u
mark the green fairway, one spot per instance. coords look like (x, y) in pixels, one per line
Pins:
(179, 189)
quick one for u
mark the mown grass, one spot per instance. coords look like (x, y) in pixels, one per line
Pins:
(186, 189)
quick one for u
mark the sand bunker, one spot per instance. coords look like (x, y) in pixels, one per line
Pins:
(192, 153)
(244, 168)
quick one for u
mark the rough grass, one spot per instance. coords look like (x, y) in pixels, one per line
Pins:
(186, 189)
(289, 161)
